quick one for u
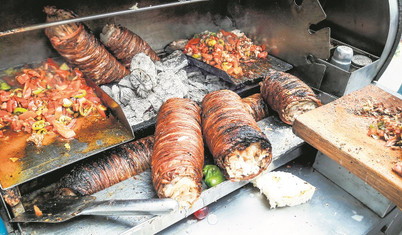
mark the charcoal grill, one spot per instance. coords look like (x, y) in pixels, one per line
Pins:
(302, 35)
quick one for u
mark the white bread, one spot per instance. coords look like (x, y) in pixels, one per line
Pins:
(284, 189)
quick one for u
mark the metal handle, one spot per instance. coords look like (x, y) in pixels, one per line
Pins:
(131, 207)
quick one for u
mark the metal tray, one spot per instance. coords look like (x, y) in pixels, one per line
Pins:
(33, 162)
(286, 147)
(258, 70)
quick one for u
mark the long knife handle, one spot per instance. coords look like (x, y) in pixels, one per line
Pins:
(131, 207)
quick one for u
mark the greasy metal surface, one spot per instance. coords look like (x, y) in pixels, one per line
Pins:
(285, 148)
(94, 17)
(92, 138)
(61, 209)
(247, 211)
(353, 185)
(283, 26)
(55, 210)
(259, 70)
(362, 23)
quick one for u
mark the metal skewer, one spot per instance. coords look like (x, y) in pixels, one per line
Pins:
(94, 17)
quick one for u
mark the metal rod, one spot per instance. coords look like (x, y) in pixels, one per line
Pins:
(94, 17)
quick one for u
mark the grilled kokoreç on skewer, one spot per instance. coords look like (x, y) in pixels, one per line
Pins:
(288, 95)
(256, 106)
(125, 44)
(178, 155)
(233, 136)
(82, 49)
(109, 168)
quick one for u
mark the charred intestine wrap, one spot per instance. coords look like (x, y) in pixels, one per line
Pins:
(178, 155)
(82, 49)
(125, 44)
(233, 136)
(109, 168)
(288, 95)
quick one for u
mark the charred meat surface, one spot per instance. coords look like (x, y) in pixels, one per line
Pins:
(178, 155)
(256, 106)
(109, 168)
(233, 136)
(125, 44)
(288, 95)
(82, 49)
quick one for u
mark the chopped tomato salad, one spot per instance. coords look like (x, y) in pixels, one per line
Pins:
(46, 99)
(225, 50)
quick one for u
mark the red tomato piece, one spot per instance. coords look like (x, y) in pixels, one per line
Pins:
(27, 115)
(63, 130)
(201, 213)
(22, 79)
(4, 113)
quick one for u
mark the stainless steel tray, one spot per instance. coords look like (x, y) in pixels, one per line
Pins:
(286, 147)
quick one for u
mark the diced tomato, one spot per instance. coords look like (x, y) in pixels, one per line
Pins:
(94, 99)
(194, 41)
(78, 73)
(63, 73)
(31, 73)
(27, 114)
(63, 130)
(52, 63)
(262, 55)
(22, 79)
(4, 96)
(4, 113)
(27, 93)
(11, 105)
(76, 84)
(16, 125)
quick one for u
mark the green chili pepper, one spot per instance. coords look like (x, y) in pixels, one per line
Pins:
(64, 66)
(4, 86)
(197, 56)
(212, 175)
(19, 110)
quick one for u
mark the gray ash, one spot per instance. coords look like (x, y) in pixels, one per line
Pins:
(143, 91)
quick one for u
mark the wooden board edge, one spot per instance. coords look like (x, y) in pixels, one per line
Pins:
(393, 192)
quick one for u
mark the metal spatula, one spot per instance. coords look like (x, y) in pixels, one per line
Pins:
(62, 209)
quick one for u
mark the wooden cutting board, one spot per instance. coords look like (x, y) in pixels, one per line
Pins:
(339, 133)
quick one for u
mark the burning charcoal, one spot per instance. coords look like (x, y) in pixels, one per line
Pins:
(143, 74)
(155, 101)
(196, 85)
(107, 89)
(116, 93)
(213, 87)
(126, 94)
(175, 61)
(125, 82)
(140, 106)
(149, 114)
(196, 95)
(128, 112)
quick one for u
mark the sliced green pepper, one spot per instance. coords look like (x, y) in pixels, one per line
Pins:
(38, 125)
(64, 66)
(4, 86)
(81, 93)
(212, 175)
(19, 110)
